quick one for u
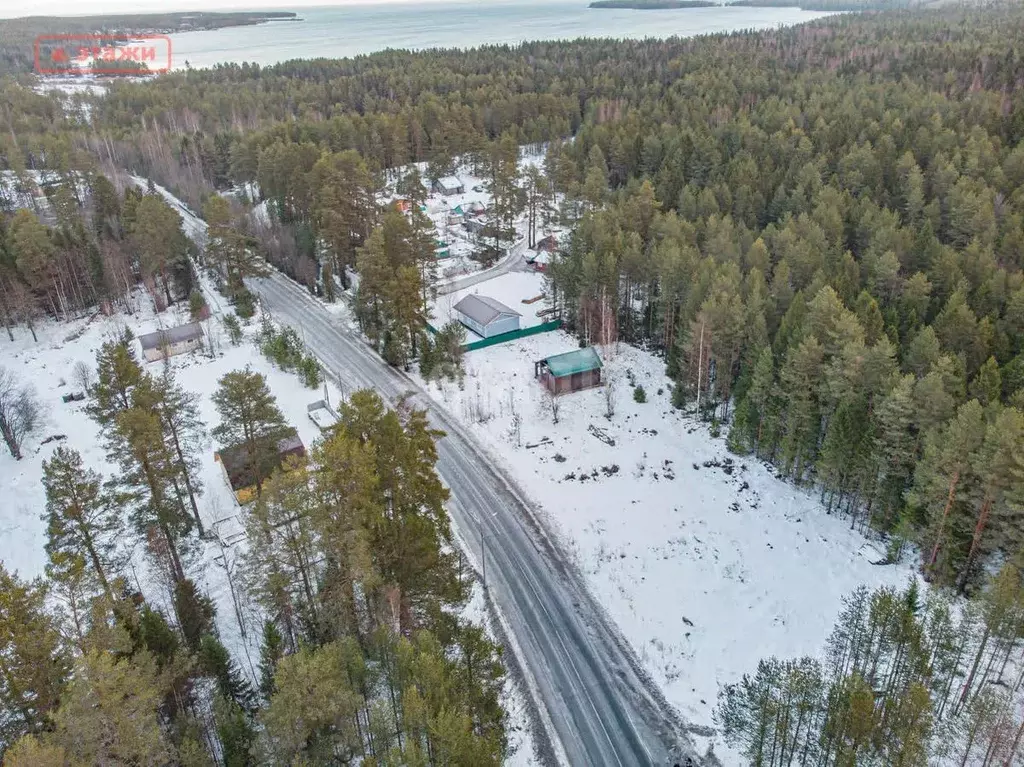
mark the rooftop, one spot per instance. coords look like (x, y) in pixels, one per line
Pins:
(483, 309)
(169, 336)
(578, 361)
(237, 465)
(449, 182)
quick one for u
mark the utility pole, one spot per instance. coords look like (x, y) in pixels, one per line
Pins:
(700, 363)
(483, 559)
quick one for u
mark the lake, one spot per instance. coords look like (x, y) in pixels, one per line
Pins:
(358, 29)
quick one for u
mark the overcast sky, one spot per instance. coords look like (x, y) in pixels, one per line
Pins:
(9, 8)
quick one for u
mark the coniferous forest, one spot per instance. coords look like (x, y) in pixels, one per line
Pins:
(821, 231)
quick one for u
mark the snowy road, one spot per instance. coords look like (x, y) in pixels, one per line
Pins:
(598, 707)
(512, 259)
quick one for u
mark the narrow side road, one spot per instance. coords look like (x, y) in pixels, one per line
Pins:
(599, 706)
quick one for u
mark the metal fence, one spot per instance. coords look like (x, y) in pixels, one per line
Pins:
(544, 327)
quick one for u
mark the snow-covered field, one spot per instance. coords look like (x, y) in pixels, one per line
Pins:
(706, 561)
(512, 289)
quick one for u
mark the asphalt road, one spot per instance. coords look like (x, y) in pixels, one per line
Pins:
(597, 705)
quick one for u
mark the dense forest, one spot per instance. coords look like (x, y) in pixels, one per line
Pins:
(819, 228)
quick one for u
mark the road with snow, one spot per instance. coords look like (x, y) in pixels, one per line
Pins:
(600, 706)
(595, 702)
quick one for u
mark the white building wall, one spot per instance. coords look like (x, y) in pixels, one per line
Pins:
(502, 325)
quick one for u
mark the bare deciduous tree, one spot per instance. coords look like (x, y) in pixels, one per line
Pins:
(19, 411)
(82, 375)
(554, 404)
(609, 396)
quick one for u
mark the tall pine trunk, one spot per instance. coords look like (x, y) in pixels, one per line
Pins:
(979, 531)
(941, 533)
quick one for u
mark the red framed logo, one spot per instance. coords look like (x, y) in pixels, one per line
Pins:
(103, 54)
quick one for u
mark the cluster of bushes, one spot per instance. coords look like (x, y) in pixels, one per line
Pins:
(285, 349)
(441, 356)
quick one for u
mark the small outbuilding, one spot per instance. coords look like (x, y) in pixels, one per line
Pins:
(485, 316)
(238, 468)
(448, 186)
(171, 341)
(572, 371)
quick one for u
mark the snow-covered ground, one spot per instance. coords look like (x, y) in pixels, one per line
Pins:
(708, 562)
(512, 289)
(49, 364)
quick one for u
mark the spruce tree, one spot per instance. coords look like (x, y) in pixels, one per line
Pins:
(271, 652)
(215, 661)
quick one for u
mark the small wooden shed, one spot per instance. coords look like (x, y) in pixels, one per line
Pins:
(572, 371)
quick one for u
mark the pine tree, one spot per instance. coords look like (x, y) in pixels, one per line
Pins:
(800, 378)
(33, 659)
(110, 712)
(313, 713)
(232, 252)
(502, 183)
(184, 434)
(250, 418)
(80, 523)
(156, 233)
(117, 373)
(943, 468)
(411, 525)
(283, 545)
(998, 463)
(146, 484)
(345, 208)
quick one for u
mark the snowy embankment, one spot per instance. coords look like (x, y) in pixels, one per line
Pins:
(708, 562)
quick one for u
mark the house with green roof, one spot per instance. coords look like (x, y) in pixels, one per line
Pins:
(572, 371)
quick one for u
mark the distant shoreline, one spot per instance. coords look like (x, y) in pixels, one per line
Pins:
(835, 6)
(653, 5)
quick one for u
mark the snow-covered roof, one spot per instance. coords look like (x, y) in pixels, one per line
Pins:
(577, 361)
(483, 309)
(161, 338)
(449, 182)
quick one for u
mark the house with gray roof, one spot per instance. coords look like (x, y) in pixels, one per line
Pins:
(486, 316)
(448, 186)
(171, 341)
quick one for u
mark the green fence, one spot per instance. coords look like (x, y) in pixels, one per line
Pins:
(483, 343)
(545, 327)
